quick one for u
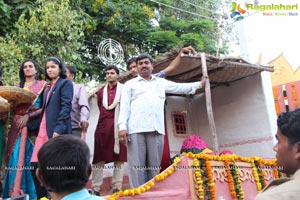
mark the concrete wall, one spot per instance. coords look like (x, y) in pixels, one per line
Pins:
(241, 116)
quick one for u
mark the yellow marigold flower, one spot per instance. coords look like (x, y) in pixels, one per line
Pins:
(143, 189)
(126, 192)
(177, 159)
(137, 191)
(147, 187)
(157, 178)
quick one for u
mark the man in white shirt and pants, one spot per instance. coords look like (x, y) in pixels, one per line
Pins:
(141, 119)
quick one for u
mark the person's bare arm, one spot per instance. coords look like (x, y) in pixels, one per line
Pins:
(174, 64)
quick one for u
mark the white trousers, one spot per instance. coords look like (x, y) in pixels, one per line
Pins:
(97, 175)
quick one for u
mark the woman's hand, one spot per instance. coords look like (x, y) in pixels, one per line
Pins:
(55, 135)
(22, 121)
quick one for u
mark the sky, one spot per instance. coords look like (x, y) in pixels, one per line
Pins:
(270, 35)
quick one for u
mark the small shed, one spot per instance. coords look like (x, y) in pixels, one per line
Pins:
(241, 100)
(241, 104)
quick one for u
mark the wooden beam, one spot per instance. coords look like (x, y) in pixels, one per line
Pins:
(210, 114)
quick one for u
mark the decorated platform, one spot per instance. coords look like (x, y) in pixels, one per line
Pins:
(207, 176)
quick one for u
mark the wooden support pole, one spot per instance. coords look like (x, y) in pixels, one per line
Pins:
(210, 114)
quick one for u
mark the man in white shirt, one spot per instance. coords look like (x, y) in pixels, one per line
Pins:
(141, 119)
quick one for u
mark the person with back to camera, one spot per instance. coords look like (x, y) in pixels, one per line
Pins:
(64, 168)
(288, 158)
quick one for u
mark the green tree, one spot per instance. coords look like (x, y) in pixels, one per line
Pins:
(73, 29)
(51, 29)
(10, 10)
(131, 23)
(10, 57)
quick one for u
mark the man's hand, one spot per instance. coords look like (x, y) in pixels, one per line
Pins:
(123, 136)
(84, 126)
(187, 51)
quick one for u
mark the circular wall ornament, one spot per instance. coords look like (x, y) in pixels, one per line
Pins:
(110, 52)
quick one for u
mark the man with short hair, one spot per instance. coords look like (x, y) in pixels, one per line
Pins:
(141, 119)
(64, 168)
(131, 66)
(288, 158)
(80, 107)
(107, 147)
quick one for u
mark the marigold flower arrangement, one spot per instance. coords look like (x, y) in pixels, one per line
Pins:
(237, 181)
(203, 172)
(230, 180)
(198, 176)
(147, 186)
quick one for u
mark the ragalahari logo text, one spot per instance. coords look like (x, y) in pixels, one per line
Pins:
(237, 12)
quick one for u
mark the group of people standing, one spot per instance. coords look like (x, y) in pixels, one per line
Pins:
(130, 125)
(47, 117)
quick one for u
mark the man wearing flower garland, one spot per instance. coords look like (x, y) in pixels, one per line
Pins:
(288, 157)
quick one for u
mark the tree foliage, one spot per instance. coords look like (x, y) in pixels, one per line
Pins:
(10, 10)
(51, 29)
(73, 29)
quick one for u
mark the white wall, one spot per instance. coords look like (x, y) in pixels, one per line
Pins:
(175, 103)
(241, 116)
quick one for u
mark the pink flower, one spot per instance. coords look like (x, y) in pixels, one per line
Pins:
(194, 141)
(226, 152)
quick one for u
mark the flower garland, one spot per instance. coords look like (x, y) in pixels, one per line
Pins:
(147, 186)
(237, 181)
(205, 178)
(211, 183)
(256, 176)
(277, 174)
(204, 175)
(230, 180)
(198, 176)
(262, 174)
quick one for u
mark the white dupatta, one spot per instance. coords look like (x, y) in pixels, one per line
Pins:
(115, 105)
